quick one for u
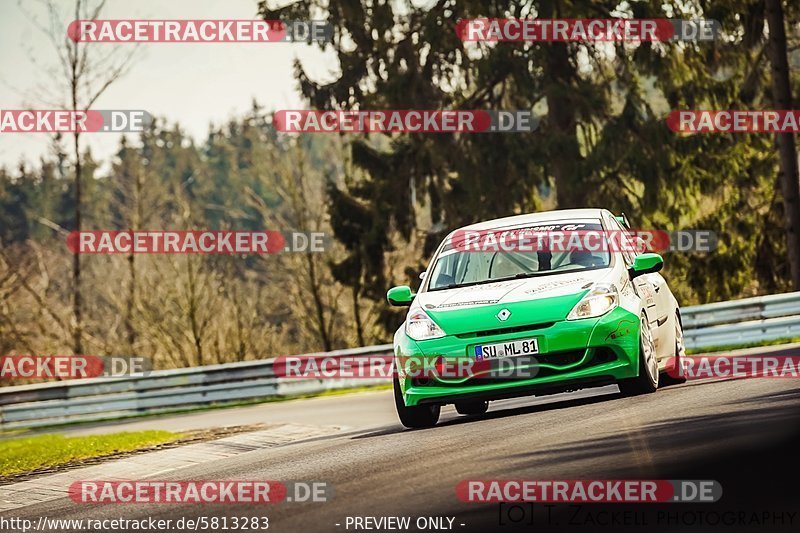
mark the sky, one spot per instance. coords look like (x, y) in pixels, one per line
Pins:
(192, 84)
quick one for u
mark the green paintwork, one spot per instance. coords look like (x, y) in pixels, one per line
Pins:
(558, 335)
(647, 263)
(457, 321)
(401, 295)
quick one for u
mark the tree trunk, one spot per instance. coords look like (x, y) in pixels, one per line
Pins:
(565, 154)
(192, 311)
(136, 223)
(319, 307)
(76, 257)
(788, 175)
(131, 304)
(357, 314)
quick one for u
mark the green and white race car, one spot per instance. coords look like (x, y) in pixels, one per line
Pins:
(516, 320)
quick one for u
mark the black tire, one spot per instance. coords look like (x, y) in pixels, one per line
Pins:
(472, 408)
(668, 379)
(647, 380)
(419, 416)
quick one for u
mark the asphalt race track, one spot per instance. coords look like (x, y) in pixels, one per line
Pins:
(742, 433)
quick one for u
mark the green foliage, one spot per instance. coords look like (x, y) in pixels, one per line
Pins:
(602, 140)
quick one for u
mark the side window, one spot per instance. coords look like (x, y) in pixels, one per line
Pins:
(443, 273)
(627, 255)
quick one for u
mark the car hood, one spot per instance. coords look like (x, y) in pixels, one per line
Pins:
(530, 301)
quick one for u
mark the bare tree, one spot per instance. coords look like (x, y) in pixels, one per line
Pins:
(85, 72)
(313, 292)
(135, 206)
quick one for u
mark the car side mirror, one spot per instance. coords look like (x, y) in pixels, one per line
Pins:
(646, 264)
(400, 296)
(423, 274)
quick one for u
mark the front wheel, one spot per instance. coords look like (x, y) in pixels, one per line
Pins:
(419, 416)
(647, 380)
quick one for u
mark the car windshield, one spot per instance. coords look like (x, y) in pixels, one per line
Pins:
(464, 262)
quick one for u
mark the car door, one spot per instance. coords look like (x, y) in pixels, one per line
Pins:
(645, 288)
(662, 297)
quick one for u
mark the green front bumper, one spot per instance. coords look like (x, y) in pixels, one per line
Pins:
(588, 351)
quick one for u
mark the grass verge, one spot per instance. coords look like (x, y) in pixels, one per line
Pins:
(31, 453)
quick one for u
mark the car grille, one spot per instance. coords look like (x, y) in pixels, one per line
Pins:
(503, 331)
(596, 356)
(560, 358)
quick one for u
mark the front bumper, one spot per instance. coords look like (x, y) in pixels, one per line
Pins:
(572, 354)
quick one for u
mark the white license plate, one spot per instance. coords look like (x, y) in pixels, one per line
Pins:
(506, 349)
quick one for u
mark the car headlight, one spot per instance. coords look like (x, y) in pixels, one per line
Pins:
(599, 301)
(420, 327)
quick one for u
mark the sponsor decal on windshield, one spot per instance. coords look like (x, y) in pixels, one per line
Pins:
(555, 285)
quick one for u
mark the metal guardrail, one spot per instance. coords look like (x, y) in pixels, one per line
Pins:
(96, 399)
(746, 321)
(751, 320)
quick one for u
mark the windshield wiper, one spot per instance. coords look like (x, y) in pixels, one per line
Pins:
(458, 285)
(521, 275)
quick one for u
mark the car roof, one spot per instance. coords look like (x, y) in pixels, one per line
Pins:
(537, 218)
